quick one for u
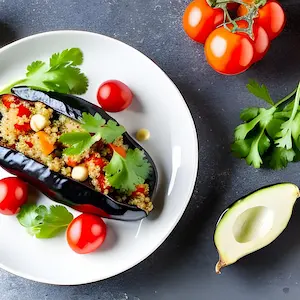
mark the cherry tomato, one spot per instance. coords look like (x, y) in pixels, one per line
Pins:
(199, 20)
(261, 42)
(229, 53)
(271, 17)
(13, 194)
(114, 96)
(86, 233)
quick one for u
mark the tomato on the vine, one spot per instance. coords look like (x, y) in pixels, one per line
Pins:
(261, 42)
(271, 17)
(13, 194)
(227, 52)
(86, 233)
(200, 19)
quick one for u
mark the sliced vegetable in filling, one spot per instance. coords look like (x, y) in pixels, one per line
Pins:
(92, 151)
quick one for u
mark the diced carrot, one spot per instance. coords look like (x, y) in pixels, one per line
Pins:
(23, 110)
(120, 150)
(7, 100)
(25, 127)
(45, 145)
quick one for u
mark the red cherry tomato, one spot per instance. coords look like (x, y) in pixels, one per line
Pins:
(199, 20)
(261, 42)
(229, 53)
(270, 16)
(114, 96)
(86, 233)
(13, 194)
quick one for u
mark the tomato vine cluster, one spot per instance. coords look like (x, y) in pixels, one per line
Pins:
(235, 33)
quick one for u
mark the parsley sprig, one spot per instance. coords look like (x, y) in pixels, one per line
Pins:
(60, 74)
(79, 142)
(269, 137)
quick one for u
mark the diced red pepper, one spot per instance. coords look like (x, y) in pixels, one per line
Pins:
(25, 127)
(71, 163)
(23, 111)
(138, 190)
(98, 161)
(8, 100)
(29, 144)
(102, 182)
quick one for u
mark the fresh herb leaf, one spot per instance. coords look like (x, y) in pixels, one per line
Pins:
(284, 136)
(78, 142)
(280, 157)
(269, 137)
(125, 173)
(43, 222)
(92, 123)
(61, 74)
(71, 57)
(258, 147)
(111, 131)
(260, 91)
(249, 113)
(81, 141)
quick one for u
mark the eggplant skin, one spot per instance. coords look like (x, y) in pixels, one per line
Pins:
(60, 188)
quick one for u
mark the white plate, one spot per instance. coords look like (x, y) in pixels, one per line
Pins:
(159, 107)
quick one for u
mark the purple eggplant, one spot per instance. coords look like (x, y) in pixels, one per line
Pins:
(60, 188)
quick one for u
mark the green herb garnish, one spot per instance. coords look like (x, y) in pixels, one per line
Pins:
(61, 74)
(125, 173)
(43, 222)
(269, 137)
(81, 141)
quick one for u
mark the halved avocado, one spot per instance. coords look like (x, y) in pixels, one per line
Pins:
(254, 222)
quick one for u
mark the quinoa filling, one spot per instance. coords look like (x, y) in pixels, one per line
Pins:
(34, 129)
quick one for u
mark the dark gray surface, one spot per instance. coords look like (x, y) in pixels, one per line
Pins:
(183, 267)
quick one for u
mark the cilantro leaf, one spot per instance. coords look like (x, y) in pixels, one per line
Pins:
(241, 148)
(96, 124)
(258, 147)
(249, 113)
(111, 131)
(92, 123)
(125, 173)
(259, 91)
(280, 157)
(296, 130)
(78, 142)
(284, 137)
(81, 141)
(43, 222)
(61, 74)
(73, 57)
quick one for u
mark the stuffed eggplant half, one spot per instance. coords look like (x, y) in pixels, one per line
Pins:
(76, 154)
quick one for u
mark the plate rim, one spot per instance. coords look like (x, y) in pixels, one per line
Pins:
(194, 175)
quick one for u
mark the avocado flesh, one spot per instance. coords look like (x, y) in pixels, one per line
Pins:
(254, 222)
